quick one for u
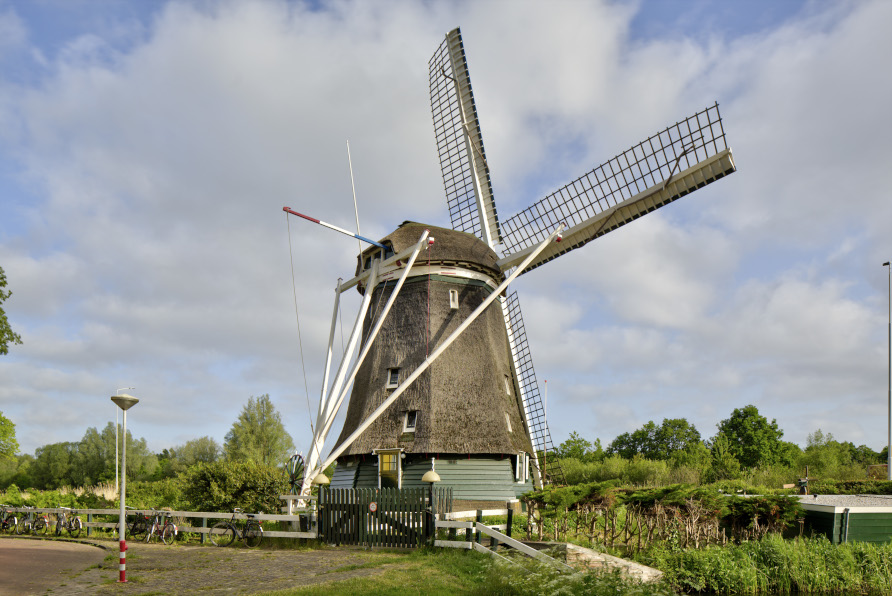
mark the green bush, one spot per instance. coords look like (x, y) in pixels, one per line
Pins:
(776, 566)
(225, 485)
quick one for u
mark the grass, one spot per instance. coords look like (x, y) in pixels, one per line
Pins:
(445, 572)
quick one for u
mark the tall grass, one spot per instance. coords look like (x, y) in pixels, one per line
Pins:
(773, 565)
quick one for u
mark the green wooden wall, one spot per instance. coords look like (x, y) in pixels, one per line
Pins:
(863, 527)
(474, 479)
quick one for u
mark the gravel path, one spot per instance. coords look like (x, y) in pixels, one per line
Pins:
(160, 569)
(847, 500)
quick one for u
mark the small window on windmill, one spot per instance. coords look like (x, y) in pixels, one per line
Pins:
(508, 421)
(519, 467)
(453, 299)
(410, 421)
(507, 385)
(393, 378)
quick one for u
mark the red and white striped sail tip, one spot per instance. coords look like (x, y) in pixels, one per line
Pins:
(430, 240)
(559, 237)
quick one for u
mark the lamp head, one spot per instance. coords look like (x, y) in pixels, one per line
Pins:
(321, 479)
(124, 401)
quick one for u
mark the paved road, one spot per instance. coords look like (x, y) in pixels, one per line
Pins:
(34, 566)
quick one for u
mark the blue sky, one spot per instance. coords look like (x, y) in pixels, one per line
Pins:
(146, 150)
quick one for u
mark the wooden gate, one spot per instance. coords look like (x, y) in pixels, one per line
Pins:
(389, 517)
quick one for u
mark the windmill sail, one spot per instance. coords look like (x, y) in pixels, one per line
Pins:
(534, 410)
(665, 167)
(462, 159)
(472, 208)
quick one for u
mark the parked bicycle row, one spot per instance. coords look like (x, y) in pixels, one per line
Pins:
(35, 522)
(142, 525)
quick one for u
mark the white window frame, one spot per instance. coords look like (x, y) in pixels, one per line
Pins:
(398, 453)
(508, 421)
(388, 383)
(453, 299)
(406, 427)
(522, 468)
(507, 385)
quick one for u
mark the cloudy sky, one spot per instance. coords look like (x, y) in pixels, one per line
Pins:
(147, 150)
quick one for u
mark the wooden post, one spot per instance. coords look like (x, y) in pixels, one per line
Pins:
(479, 519)
(510, 521)
(89, 521)
(204, 524)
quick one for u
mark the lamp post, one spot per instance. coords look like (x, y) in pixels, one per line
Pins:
(125, 402)
(431, 477)
(116, 438)
(889, 375)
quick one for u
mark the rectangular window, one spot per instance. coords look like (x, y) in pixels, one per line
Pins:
(508, 421)
(522, 469)
(389, 469)
(507, 385)
(453, 299)
(393, 378)
(409, 423)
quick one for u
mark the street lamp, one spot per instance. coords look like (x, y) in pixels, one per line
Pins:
(889, 374)
(118, 392)
(125, 402)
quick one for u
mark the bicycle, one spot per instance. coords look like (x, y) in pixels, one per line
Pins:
(8, 519)
(166, 531)
(224, 532)
(32, 523)
(138, 526)
(72, 524)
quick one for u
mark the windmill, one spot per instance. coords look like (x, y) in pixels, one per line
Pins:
(438, 360)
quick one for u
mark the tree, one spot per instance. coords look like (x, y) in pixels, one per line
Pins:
(6, 334)
(259, 435)
(657, 442)
(753, 441)
(724, 465)
(8, 444)
(580, 449)
(201, 450)
(176, 460)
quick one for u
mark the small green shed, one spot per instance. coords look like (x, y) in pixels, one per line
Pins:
(849, 518)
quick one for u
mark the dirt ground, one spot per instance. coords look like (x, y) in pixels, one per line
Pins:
(160, 569)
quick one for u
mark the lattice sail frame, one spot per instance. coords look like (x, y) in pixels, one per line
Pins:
(662, 168)
(534, 409)
(462, 157)
(465, 174)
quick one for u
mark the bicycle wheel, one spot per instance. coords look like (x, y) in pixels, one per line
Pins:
(60, 524)
(168, 534)
(40, 526)
(138, 529)
(253, 535)
(23, 527)
(222, 534)
(74, 527)
(149, 534)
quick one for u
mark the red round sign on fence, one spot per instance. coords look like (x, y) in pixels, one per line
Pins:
(373, 507)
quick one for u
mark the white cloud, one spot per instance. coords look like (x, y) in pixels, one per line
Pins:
(156, 255)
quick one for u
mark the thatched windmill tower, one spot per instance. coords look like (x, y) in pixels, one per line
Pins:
(443, 370)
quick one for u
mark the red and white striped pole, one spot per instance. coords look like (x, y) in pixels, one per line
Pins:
(122, 564)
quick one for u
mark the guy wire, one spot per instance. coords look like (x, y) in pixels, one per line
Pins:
(297, 316)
